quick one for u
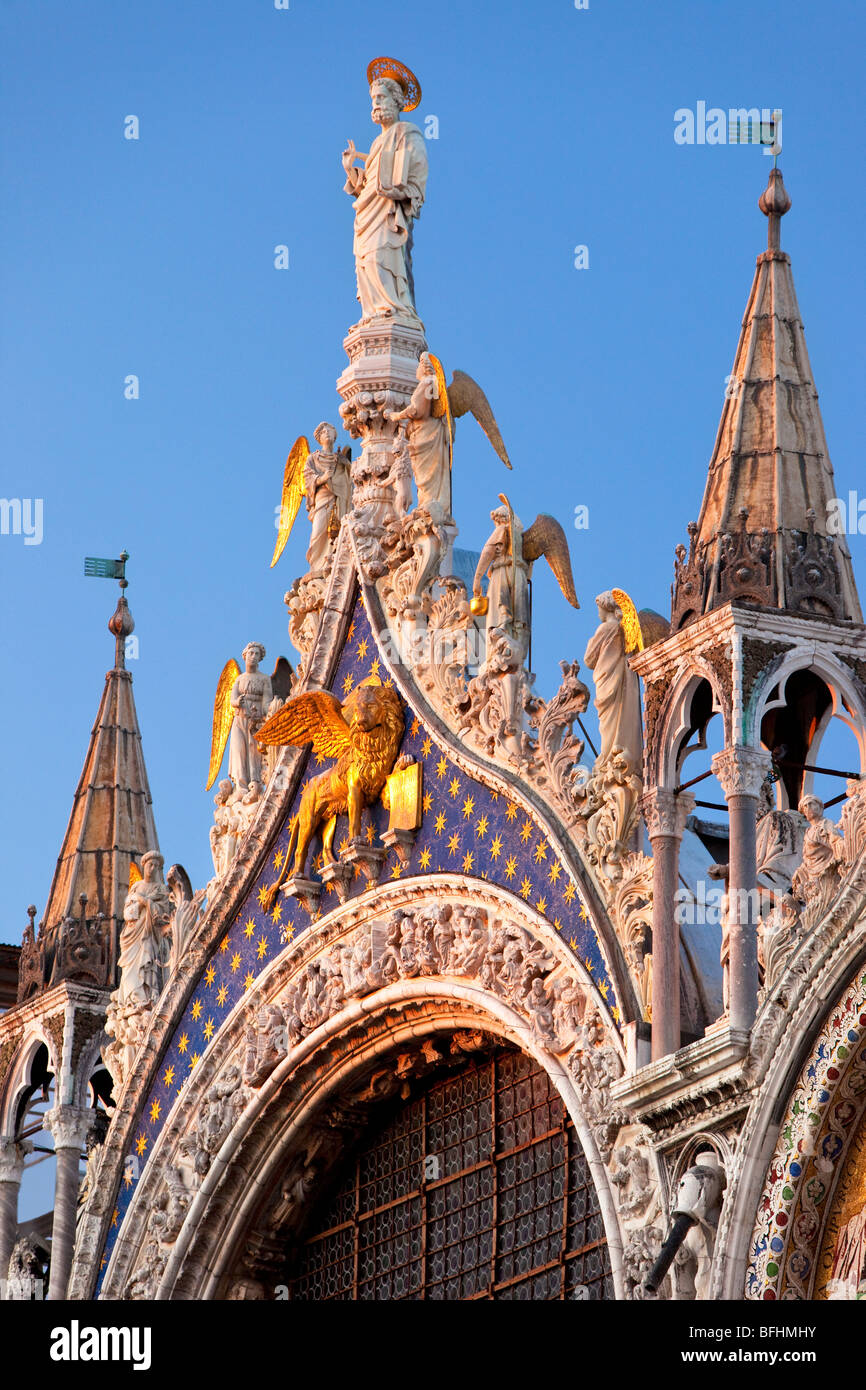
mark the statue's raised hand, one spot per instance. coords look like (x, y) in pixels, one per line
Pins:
(349, 155)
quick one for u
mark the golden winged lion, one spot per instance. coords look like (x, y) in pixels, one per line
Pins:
(363, 734)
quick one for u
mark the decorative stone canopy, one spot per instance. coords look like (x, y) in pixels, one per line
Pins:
(762, 536)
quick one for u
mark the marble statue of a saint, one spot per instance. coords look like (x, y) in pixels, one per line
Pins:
(143, 947)
(388, 193)
(823, 846)
(429, 446)
(617, 689)
(328, 492)
(251, 694)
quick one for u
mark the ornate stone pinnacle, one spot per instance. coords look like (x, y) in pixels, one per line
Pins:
(774, 203)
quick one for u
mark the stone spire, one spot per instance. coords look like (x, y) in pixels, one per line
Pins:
(764, 536)
(111, 824)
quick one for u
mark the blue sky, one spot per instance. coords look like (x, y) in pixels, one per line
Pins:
(155, 257)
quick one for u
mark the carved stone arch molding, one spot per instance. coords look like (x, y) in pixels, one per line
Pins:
(291, 1066)
(674, 720)
(807, 1068)
(17, 1072)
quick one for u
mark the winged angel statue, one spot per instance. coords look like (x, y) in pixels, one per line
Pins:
(507, 560)
(430, 429)
(363, 734)
(322, 479)
(241, 703)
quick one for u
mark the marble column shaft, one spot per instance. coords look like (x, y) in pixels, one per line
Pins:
(11, 1168)
(665, 814)
(741, 772)
(69, 1127)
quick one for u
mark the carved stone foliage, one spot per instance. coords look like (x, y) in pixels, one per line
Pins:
(304, 603)
(414, 546)
(442, 662)
(498, 699)
(223, 1103)
(559, 748)
(631, 908)
(164, 1222)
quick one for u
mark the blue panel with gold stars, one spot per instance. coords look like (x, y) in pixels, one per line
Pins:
(466, 828)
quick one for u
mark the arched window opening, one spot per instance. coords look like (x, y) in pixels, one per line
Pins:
(36, 1194)
(475, 1187)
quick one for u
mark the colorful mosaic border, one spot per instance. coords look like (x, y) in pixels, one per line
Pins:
(818, 1123)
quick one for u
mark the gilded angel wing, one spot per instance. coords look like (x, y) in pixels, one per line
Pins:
(135, 874)
(223, 714)
(465, 394)
(443, 404)
(630, 621)
(293, 491)
(546, 537)
(315, 717)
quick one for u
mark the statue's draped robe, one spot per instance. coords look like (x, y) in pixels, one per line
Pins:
(326, 481)
(508, 582)
(429, 449)
(396, 165)
(142, 951)
(253, 690)
(617, 693)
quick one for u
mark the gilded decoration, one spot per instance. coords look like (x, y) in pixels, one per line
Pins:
(467, 828)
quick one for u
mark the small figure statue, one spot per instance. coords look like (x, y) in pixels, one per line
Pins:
(186, 911)
(250, 696)
(388, 193)
(507, 560)
(617, 689)
(328, 492)
(241, 704)
(146, 917)
(247, 808)
(223, 832)
(430, 415)
(779, 847)
(816, 880)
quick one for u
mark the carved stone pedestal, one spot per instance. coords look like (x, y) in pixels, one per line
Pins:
(383, 358)
(401, 841)
(341, 876)
(306, 890)
(369, 857)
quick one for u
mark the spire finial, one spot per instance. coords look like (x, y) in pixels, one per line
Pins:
(774, 203)
(121, 622)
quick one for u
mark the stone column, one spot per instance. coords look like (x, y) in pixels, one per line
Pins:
(69, 1127)
(11, 1168)
(741, 771)
(665, 815)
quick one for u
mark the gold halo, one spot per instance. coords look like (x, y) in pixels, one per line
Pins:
(398, 72)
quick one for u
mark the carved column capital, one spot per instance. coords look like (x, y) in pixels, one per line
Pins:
(68, 1125)
(665, 812)
(741, 770)
(12, 1154)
